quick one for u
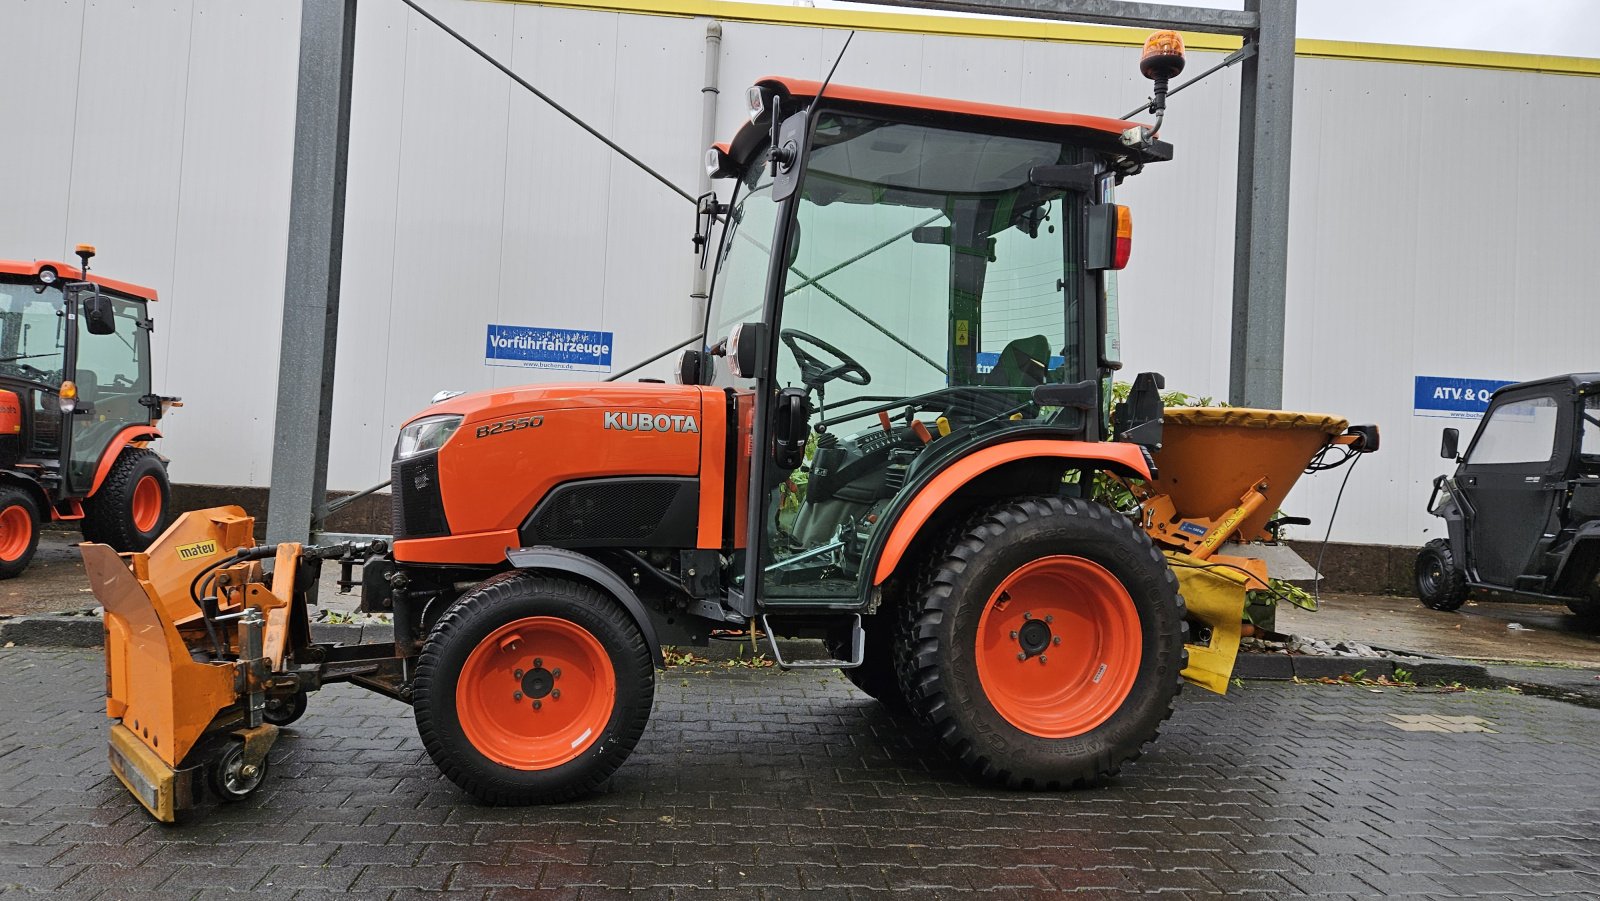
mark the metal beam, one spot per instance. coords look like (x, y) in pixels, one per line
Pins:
(311, 284)
(1261, 218)
(1102, 12)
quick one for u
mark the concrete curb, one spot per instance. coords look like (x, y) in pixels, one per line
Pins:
(1423, 669)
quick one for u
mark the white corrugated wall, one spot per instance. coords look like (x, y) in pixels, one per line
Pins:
(1442, 219)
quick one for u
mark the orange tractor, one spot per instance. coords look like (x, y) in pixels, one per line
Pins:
(76, 410)
(888, 440)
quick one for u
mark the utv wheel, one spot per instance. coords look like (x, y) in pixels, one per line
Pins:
(1045, 648)
(533, 690)
(19, 530)
(1441, 585)
(1586, 609)
(131, 507)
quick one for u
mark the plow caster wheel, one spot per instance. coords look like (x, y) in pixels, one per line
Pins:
(19, 530)
(285, 709)
(533, 689)
(1045, 644)
(230, 778)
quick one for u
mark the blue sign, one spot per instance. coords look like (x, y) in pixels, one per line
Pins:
(1452, 397)
(988, 361)
(547, 348)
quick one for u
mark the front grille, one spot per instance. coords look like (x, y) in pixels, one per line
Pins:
(621, 511)
(414, 493)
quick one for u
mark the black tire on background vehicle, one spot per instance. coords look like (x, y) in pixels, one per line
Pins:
(877, 677)
(532, 689)
(1586, 608)
(1045, 645)
(133, 503)
(1441, 584)
(19, 530)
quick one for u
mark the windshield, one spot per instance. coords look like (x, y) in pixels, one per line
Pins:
(32, 332)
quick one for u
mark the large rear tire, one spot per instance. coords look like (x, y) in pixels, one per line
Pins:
(1045, 646)
(1441, 584)
(19, 530)
(132, 505)
(532, 690)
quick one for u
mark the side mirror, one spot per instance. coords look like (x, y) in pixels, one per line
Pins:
(98, 315)
(791, 425)
(1449, 443)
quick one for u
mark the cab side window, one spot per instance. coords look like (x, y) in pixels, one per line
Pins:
(1523, 431)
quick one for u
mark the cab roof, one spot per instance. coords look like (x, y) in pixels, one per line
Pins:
(1581, 382)
(69, 271)
(1098, 132)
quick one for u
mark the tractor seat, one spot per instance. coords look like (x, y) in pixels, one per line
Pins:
(1024, 362)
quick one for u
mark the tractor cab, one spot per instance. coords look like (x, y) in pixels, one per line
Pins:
(947, 284)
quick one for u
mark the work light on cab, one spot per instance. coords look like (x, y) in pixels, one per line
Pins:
(426, 434)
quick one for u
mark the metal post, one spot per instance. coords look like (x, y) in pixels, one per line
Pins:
(1261, 224)
(700, 294)
(311, 284)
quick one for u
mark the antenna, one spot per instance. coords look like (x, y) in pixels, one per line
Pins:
(836, 60)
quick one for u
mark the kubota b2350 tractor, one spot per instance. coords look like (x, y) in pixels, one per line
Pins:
(887, 441)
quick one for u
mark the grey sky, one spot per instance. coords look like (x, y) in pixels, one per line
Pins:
(1560, 27)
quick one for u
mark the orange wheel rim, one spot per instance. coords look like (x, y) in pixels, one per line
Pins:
(146, 504)
(536, 693)
(1058, 647)
(16, 532)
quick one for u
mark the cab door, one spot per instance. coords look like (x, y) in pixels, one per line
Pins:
(112, 374)
(1514, 479)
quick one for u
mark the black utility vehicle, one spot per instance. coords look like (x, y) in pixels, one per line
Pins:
(1523, 507)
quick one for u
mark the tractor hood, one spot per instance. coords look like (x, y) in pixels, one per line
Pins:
(466, 490)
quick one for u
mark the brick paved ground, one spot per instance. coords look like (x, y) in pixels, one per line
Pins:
(770, 785)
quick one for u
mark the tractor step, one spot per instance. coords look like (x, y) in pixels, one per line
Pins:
(858, 648)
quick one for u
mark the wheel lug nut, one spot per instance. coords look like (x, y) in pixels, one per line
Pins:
(516, 673)
(1056, 640)
(556, 673)
(1027, 615)
(1022, 656)
(555, 693)
(537, 705)
(1042, 659)
(1013, 633)
(516, 696)
(538, 663)
(1049, 618)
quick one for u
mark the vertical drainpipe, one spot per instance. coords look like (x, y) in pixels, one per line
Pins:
(708, 136)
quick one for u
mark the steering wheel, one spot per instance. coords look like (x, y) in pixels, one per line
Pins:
(814, 371)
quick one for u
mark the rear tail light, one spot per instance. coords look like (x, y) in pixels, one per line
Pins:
(1124, 238)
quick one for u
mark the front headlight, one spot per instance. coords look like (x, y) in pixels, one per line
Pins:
(426, 434)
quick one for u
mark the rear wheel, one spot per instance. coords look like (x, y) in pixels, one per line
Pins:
(1045, 647)
(131, 506)
(533, 690)
(1441, 585)
(19, 530)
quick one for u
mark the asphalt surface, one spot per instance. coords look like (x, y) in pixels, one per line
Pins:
(759, 784)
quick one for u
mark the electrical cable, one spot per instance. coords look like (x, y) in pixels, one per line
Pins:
(1316, 587)
(506, 70)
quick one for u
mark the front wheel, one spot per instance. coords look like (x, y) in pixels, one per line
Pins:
(532, 690)
(19, 530)
(1045, 647)
(1441, 585)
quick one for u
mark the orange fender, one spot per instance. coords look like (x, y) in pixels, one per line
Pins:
(1122, 455)
(109, 456)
